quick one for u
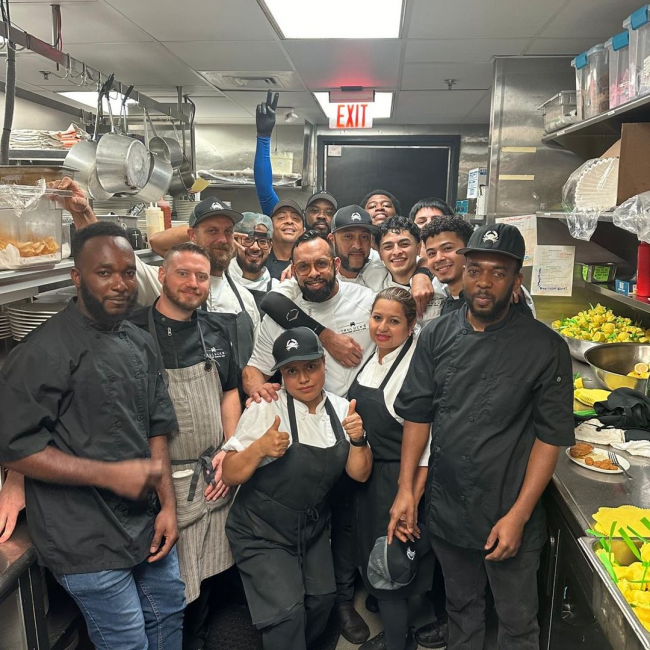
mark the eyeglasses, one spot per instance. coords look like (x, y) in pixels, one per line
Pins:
(248, 241)
(321, 265)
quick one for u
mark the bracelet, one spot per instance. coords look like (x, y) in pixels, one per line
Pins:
(423, 270)
(362, 442)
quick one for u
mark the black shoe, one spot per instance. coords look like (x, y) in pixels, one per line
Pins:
(433, 635)
(379, 642)
(371, 604)
(352, 626)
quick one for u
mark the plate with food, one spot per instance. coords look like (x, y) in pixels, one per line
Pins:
(596, 459)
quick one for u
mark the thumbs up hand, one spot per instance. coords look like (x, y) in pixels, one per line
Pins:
(274, 443)
(353, 424)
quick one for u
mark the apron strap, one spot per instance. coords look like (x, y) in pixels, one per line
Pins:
(202, 465)
(152, 330)
(235, 291)
(397, 361)
(334, 421)
(292, 419)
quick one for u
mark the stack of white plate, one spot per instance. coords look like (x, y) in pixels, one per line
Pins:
(183, 208)
(5, 328)
(26, 317)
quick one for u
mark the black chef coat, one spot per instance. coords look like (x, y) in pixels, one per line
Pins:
(91, 393)
(275, 266)
(180, 343)
(489, 395)
(453, 304)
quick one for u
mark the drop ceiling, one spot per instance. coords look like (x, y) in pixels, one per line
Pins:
(161, 44)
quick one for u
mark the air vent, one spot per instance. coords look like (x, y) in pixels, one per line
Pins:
(254, 81)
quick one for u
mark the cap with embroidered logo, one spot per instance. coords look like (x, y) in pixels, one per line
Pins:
(352, 215)
(298, 344)
(213, 207)
(322, 196)
(496, 238)
(392, 566)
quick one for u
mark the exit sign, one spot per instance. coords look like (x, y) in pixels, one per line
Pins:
(353, 115)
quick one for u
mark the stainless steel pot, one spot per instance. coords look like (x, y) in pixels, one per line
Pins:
(122, 162)
(182, 179)
(160, 171)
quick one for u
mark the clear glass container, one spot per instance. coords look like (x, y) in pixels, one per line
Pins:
(618, 48)
(30, 226)
(597, 91)
(638, 24)
(581, 65)
(559, 111)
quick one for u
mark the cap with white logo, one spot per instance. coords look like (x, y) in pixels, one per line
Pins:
(352, 215)
(298, 344)
(213, 207)
(500, 238)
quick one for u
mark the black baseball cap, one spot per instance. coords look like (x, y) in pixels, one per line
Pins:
(286, 203)
(213, 207)
(392, 566)
(352, 215)
(323, 196)
(497, 238)
(298, 344)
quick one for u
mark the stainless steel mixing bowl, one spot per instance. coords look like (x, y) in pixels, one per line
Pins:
(611, 362)
(577, 348)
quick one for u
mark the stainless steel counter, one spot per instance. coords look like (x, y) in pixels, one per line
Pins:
(16, 556)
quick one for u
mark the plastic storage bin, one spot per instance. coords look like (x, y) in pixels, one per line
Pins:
(30, 226)
(638, 25)
(559, 111)
(597, 92)
(618, 49)
(581, 65)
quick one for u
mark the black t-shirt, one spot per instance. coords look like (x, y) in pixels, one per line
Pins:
(489, 395)
(275, 266)
(91, 393)
(180, 343)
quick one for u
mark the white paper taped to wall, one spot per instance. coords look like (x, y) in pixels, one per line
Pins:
(527, 225)
(552, 273)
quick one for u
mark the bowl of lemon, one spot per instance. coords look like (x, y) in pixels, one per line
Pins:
(621, 365)
(597, 326)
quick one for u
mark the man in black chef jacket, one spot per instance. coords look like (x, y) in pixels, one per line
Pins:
(495, 389)
(85, 417)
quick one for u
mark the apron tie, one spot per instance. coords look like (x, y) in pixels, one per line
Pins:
(203, 464)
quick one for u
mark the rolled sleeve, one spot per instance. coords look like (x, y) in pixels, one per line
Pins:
(553, 400)
(32, 389)
(162, 417)
(262, 357)
(149, 286)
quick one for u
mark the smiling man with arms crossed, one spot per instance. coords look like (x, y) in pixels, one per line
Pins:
(494, 387)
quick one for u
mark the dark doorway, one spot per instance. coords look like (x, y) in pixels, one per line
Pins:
(411, 168)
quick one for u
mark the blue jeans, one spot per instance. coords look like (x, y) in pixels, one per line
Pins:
(132, 609)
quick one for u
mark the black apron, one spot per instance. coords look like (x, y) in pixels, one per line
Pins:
(374, 498)
(240, 328)
(260, 295)
(276, 526)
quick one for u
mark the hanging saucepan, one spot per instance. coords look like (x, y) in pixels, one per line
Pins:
(182, 179)
(122, 162)
(160, 172)
(82, 157)
(175, 149)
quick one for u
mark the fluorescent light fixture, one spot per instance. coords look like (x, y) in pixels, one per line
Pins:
(336, 18)
(381, 107)
(89, 98)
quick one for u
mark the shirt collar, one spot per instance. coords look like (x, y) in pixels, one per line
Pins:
(303, 409)
(74, 313)
(179, 324)
(391, 356)
(462, 315)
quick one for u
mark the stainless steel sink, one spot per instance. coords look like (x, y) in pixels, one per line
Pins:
(615, 616)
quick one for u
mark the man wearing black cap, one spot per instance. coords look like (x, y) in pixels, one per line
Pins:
(494, 387)
(288, 225)
(319, 212)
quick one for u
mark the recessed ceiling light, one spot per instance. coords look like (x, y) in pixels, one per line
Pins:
(381, 107)
(336, 18)
(89, 98)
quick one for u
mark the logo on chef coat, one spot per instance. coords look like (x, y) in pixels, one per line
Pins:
(292, 344)
(491, 236)
(216, 353)
(353, 327)
(355, 216)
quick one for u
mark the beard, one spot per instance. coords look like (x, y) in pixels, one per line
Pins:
(345, 263)
(498, 306)
(96, 309)
(185, 301)
(318, 295)
(320, 225)
(250, 266)
(220, 256)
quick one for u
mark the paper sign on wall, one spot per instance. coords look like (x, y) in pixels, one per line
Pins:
(553, 271)
(353, 115)
(527, 225)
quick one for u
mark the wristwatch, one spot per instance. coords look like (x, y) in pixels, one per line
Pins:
(362, 442)
(423, 270)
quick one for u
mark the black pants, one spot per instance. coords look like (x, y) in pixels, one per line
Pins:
(196, 624)
(302, 627)
(514, 586)
(345, 570)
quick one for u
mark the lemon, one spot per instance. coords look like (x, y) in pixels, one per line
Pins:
(578, 383)
(641, 368)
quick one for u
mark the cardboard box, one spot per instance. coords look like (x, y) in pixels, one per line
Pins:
(476, 178)
(634, 161)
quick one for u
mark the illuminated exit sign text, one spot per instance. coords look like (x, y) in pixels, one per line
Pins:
(353, 115)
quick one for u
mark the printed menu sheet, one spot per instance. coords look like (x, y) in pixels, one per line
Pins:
(553, 271)
(527, 225)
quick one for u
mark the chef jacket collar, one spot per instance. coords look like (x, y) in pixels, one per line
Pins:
(462, 315)
(302, 409)
(79, 317)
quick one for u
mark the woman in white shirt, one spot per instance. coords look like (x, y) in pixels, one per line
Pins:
(287, 455)
(392, 322)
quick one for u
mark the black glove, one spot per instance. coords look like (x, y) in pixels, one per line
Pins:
(265, 114)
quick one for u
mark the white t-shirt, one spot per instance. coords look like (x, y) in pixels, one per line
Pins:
(221, 298)
(348, 312)
(261, 284)
(313, 429)
(375, 371)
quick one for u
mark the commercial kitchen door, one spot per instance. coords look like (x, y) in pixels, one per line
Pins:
(411, 168)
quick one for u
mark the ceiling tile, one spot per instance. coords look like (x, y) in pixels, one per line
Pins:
(82, 22)
(207, 107)
(431, 76)
(565, 46)
(480, 18)
(480, 114)
(462, 50)
(231, 55)
(198, 20)
(599, 19)
(435, 106)
(297, 101)
(333, 63)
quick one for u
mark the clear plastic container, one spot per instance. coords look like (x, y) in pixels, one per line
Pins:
(581, 65)
(30, 226)
(597, 92)
(638, 24)
(559, 111)
(618, 48)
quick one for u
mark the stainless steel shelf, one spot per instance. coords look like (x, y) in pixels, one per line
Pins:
(243, 186)
(639, 304)
(17, 285)
(605, 217)
(37, 154)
